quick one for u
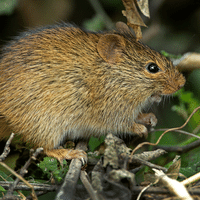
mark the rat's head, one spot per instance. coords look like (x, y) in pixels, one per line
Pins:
(143, 69)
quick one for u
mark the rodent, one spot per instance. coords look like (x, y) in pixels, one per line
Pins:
(61, 82)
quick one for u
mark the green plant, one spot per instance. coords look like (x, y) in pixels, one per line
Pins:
(53, 168)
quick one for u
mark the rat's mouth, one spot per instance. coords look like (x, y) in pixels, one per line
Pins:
(157, 97)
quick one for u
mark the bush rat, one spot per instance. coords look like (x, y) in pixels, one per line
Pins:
(61, 82)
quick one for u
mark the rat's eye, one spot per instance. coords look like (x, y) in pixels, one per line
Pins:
(152, 68)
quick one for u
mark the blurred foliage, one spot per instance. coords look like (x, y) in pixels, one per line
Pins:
(169, 55)
(94, 24)
(7, 6)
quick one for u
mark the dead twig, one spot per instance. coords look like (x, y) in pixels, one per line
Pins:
(68, 187)
(173, 185)
(24, 170)
(188, 62)
(182, 149)
(21, 178)
(88, 186)
(22, 186)
(191, 179)
(6, 150)
(178, 131)
(161, 190)
(171, 129)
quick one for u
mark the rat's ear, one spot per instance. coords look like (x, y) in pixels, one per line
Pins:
(110, 47)
(123, 28)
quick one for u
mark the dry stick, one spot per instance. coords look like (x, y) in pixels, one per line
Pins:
(36, 186)
(173, 185)
(191, 179)
(144, 162)
(161, 190)
(88, 186)
(23, 170)
(21, 178)
(178, 131)
(6, 150)
(68, 187)
(171, 129)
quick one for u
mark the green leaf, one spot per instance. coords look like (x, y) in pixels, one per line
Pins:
(171, 56)
(2, 189)
(51, 166)
(95, 142)
(4, 177)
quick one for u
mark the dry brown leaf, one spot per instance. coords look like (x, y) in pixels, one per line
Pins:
(133, 17)
(174, 169)
(144, 7)
(137, 30)
(131, 13)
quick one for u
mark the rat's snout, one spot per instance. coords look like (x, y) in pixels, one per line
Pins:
(173, 84)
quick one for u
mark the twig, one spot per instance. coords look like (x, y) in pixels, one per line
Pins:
(6, 150)
(21, 178)
(22, 186)
(161, 190)
(24, 170)
(173, 185)
(144, 162)
(143, 190)
(68, 187)
(88, 186)
(38, 194)
(182, 149)
(171, 129)
(178, 131)
(189, 62)
(191, 179)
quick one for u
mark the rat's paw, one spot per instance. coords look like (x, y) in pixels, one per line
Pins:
(68, 154)
(147, 119)
(140, 130)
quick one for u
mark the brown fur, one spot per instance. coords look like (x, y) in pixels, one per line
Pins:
(64, 83)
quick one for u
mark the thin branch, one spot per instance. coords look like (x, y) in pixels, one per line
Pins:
(6, 150)
(173, 185)
(191, 179)
(88, 186)
(36, 186)
(68, 187)
(149, 164)
(171, 129)
(178, 131)
(24, 170)
(182, 149)
(21, 178)
(161, 190)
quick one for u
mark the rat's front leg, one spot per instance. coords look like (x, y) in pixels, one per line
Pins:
(147, 119)
(143, 119)
(139, 129)
(69, 154)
